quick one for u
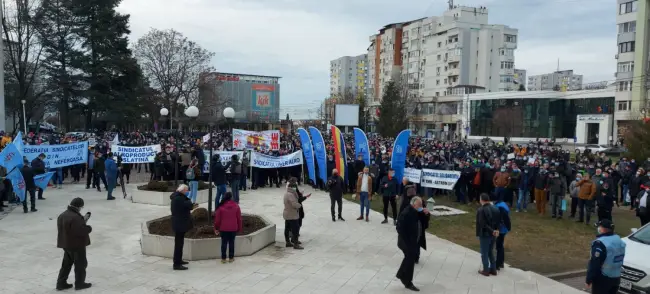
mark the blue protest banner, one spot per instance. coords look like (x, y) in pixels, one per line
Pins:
(18, 141)
(361, 145)
(319, 152)
(10, 157)
(18, 183)
(42, 180)
(59, 155)
(308, 151)
(400, 148)
(137, 154)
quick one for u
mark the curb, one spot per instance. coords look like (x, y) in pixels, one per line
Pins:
(567, 275)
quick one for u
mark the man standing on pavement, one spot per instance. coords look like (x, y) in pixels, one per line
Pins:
(336, 187)
(607, 255)
(111, 176)
(487, 230)
(100, 168)
(409, 233)
(30, 186)
(388, 189)
(90, 167)
(73, 237)
(218, 172)
(38, 168)
(364, 192)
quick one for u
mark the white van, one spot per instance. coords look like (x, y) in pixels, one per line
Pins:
(635, 277)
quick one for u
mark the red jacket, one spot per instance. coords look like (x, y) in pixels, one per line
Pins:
(228, 217)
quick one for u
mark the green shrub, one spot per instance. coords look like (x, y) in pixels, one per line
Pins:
(637, 141)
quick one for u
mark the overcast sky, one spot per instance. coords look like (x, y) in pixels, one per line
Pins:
(296, 39)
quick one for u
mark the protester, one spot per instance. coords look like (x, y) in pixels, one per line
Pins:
(336, 187)
(504, 227)
(192, 175)
(291, 215)
(557, 189)
(30, 187)
(364, 192)
(388, 190)
(73, 237)
(573, 192)
(111, 176)
(218, 172)
(488, 220)
(38, 168)
(409, 233)
(235, 170)
(227, 223)
(585, 198)
(643, 204)
(181, 206)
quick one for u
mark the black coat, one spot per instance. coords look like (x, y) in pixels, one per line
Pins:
(336, 185)
(218, 172)
(28, 176)
(72, 231)
(181, 207)
(407, 230)
(38, 166)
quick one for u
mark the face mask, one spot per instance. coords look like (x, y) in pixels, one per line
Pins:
(420, 209)
(526, 171)
(503, 169)
(597, 231)
(578, 179)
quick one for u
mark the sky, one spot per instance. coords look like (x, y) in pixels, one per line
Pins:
(296, 39)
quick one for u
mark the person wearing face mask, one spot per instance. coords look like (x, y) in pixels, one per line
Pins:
(606, 262)
(291, 215)
(586, 196)
(556, 187)
(643, 204)
(501, 180)
(488, 220)
(336, 187)
(573, 192)
(635, 186)
(409, 235)
(541, 186)
(388, 188)
(364, 192)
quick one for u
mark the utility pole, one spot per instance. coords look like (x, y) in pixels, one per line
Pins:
(2, 77)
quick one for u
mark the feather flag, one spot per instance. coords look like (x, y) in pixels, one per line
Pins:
(339, 150)
(10, 157)
(18, 182)
(18, 141)
(42, 180)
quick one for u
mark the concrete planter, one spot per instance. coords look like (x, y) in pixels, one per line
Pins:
(199, 249)
(161, 198)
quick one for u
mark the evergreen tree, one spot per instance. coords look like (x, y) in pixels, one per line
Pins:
(55, 22)
(392, 111)
(522, 88)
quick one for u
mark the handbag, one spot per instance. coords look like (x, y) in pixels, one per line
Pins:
(563, 204)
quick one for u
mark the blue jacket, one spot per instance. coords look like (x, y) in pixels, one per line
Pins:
(111, 171)
(504, 211)
(524, 179)
(607, 254)
(91, 160)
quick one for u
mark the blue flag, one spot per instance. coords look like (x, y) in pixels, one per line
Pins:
(18, 183)
(400, 149)
(308, 151)
(18, 141)
(42, 180)
(319, 152)
(361, 145)
(10, 157)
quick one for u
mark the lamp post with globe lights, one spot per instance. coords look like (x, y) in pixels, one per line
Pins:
(24, 116)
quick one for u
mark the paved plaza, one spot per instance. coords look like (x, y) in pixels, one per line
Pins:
(339, 257)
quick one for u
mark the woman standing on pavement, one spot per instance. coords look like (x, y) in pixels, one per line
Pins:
(227, 222)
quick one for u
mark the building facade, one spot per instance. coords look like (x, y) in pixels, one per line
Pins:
(384, 59)
(520, 78)
(348, 73)
(561, 80)
(255, 98)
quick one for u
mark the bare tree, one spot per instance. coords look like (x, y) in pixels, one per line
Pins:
(210, 98)
(173, 64)
(23, 72)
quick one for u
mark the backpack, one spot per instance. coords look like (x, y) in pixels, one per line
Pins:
(236, 169)
(189, 173)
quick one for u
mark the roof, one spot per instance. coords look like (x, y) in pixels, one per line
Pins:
(243, 74)
(583, 94)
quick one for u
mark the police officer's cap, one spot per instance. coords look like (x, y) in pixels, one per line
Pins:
(607, 224)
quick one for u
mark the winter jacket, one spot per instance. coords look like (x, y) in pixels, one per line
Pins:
(388, 186)
(291, 205)
(574, 189)
(72, 231)
(587, 189)
(500, 179)
(218, 172)
(557, 185)
(336, 186)
(515, 177)
(228, 217)
(541, 180)
(38, 166)
(181, 208)
(488, 220)
(360, 179)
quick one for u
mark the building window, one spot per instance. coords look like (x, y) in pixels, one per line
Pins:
(628, 7)
(623, 105)
(625, 86)
(626, 47)
(510, 38)
(626, 66)
(438, 57)
(507, 65)
(627, 27)
(439, 44)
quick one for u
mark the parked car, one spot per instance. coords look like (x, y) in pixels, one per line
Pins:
(635, 277)
(593, 148)
(615, 151)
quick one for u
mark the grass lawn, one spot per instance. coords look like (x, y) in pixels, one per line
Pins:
(540, 244)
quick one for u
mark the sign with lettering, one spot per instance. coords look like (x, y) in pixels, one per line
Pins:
(439, 179)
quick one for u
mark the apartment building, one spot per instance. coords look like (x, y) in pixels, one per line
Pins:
(519, 78)
(560, 80)
(348, 72)
(384, 59)
(632, 63)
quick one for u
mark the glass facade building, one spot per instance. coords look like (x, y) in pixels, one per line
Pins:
(533, 117)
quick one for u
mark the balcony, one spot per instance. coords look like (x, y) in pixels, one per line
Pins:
(454, 71)
(453, 58)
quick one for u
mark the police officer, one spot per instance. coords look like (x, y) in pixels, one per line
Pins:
(607, 254)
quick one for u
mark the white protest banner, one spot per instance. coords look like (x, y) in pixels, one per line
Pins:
(136, 154)
(439, 179)
(267, 161)
(412, 174)
(59, 155)
(265, 140)
(225, 157)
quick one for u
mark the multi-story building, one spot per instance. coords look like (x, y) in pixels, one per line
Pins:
(632, 62)
(384, 59)
(560, 80)
(348, 73)
(519, 78)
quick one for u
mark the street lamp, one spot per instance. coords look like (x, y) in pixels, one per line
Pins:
(192, 112)
(24, 116)
(228, 112)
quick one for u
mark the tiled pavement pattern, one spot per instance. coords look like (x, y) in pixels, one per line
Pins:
(339, 257)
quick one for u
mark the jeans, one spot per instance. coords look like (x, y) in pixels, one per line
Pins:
(487, 253)
(522, 199)
(364, 202)
(228, 242)
(57, 177)
(500, 193)
(625, 190)
(234, 186)
(194, 190)
(585, 207)
(221, 190)
(110, 187)
(556, 204)
(243, 182)
(500, 250)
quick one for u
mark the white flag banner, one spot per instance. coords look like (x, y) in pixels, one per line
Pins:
(267, 161)
(413, 174)
(206, 138)
(439, 179)
(136, 154)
